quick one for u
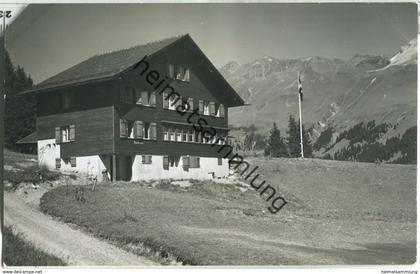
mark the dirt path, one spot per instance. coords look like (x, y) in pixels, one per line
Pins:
(72, 246)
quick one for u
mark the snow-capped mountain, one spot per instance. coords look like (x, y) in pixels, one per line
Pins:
(336, 92)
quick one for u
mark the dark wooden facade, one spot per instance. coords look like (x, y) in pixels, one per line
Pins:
(97, 109)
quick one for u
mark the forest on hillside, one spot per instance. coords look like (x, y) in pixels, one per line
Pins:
(362, 142)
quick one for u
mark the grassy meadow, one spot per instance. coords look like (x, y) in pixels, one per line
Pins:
(337, 213)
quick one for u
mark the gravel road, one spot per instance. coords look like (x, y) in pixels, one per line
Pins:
(72, 246)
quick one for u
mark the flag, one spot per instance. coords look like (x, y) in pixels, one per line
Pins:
(300, 88)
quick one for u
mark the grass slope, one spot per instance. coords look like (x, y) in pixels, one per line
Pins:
(17, 252)
(338, 213)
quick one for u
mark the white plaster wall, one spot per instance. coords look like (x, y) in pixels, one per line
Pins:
(91, 166)
(48, 151)
(155, 169)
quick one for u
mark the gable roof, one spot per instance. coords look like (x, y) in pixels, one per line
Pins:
(111, 65)
(103, 66)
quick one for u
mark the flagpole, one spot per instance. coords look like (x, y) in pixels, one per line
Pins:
(300, 117)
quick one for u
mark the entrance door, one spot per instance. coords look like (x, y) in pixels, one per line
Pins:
(124, 167)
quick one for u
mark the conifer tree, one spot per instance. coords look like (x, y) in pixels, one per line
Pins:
(307, 146)
(293, 138)
(275, 146)
(20, 111)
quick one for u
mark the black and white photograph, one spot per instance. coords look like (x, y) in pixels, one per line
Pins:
(229, 134)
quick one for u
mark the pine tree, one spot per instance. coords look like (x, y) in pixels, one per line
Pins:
(275, 145)
(307, 146)
(293, 138)
(20, 111)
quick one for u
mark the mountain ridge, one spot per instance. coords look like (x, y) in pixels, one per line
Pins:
(337, 93)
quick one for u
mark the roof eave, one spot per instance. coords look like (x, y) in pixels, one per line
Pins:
(61, 86)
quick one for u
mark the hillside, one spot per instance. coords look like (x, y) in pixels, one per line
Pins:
(336, 92)
(337, 213)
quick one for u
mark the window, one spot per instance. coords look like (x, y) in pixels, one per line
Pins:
(166, 162)
(174, 160)
(180, 73)
(131, 129)
(149, 130)
(65, 134)
(206, 108)
(200, 106)
(185, 105)
(152, 99)
(146, 130)
(152, 130)
(198, 137)
(178, 135)
(145, 98)
(221, 111)
(73, 161)
(191, 136)
(57, 163)
(171, 71)
(212, 109)
(185, 136)
(146, 159)
(165, 133)
(138, 130)
(165, 100)
(219, 161)
(173, 102)
(194, 162)
(123, 128)
(183, 74)
(172, 135)
(221, 140)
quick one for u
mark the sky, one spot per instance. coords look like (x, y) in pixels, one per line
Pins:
(46, 39)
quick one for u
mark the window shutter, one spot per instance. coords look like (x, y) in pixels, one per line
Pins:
(73, 161)
(57, 135)
(165, 100)
(138, 127)
(149, 159)
(123, 128)
(187, 75)
(144, 97)
(222, 110)
(179, 102)
(200, 107)
(185, 162)
(219, 161)
(212, 109)
(165, 162)
(191, 103)
(138, 97)
(152, 100)
(171, 71)
(57, 163)
(152, 131)
(143, 159)
(72, 133)
(200, 137)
